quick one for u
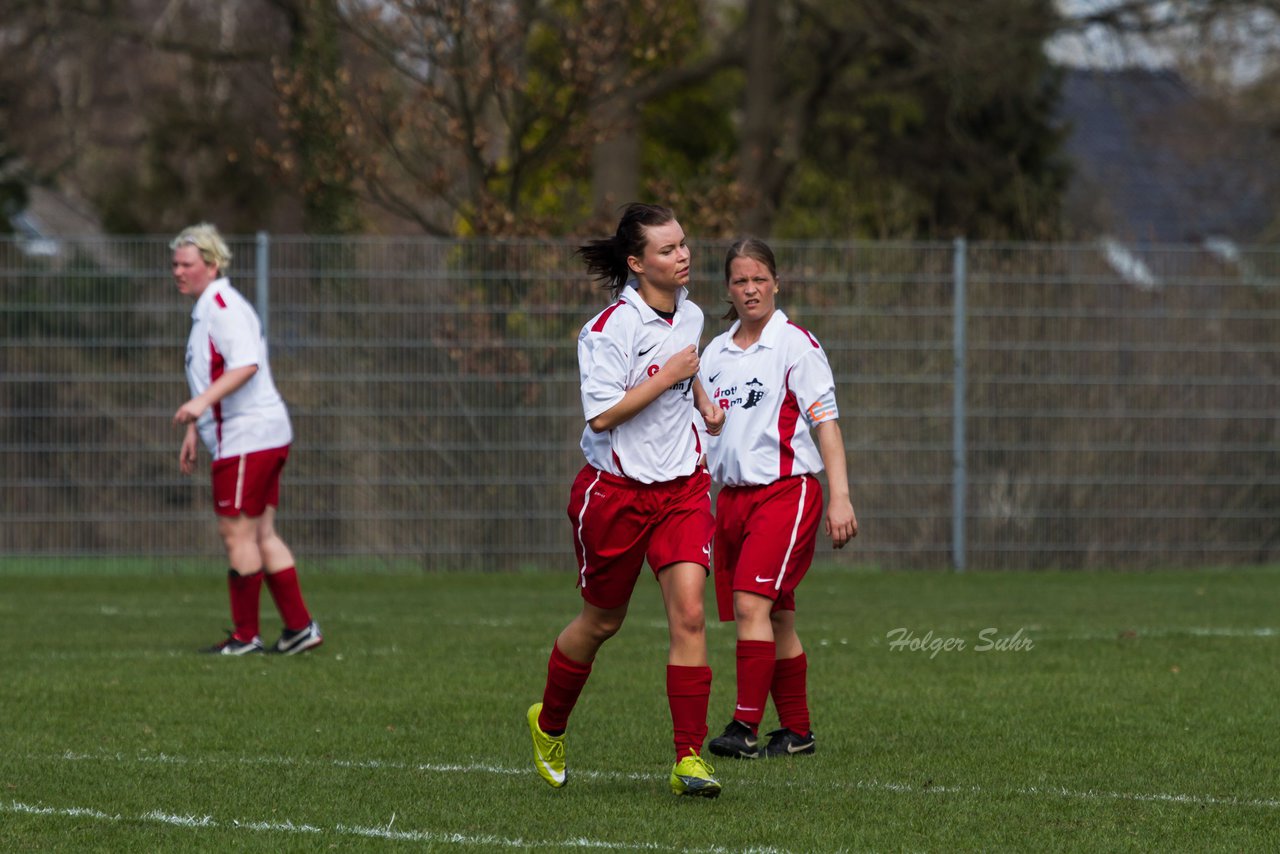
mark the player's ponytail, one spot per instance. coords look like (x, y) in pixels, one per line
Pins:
(606, 257)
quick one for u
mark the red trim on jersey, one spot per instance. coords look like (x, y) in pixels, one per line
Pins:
(788, 416)
(697, 440)
(598, 326)
(217, 365)
(219, 300)
(807, 334)
(617, 462)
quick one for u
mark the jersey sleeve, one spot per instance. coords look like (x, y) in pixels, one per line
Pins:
(602, 368)
(814, 386)
(235, 336)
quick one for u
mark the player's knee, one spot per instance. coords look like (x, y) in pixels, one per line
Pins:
(689, 622)
(605, 627)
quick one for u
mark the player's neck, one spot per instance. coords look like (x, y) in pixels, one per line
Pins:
(749, 332)
(656, 298)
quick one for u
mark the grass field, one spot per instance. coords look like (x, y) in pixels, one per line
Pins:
(1141, 716)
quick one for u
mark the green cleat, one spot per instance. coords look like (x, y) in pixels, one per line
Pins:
(548, 751)
(692, 776)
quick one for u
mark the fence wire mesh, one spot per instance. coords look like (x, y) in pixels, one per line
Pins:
(1119, 404)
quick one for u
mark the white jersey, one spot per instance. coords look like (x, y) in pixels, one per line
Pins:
(620, 348)
(772, 393)
(226, 334)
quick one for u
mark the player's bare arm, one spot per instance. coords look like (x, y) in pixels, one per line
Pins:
(217, 390)
(678, 368)
(841, 523)
(712, 414)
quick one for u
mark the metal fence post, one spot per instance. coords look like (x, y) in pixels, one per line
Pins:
(959, 479)
(264, 280)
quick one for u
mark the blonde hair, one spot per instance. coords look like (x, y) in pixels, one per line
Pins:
(205, 237)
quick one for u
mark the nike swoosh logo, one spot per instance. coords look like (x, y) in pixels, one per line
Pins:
(796, 748)
(558, 776)
(760, 580)
(646, 352)
(714, 377)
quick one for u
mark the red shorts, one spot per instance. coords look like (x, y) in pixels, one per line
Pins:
(618, 523)
(248, 483)
(765, 538)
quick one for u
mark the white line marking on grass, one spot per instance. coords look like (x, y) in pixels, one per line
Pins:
(1196, 800)
(1132, 633)
(73, 812)
(180, 820)
(282, 826)
(438, 837)
(485, 768)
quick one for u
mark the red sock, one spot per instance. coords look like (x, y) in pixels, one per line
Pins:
(244, 591)
(790, 695)
(288, 598)
(688, 691)
(755, 675)
(565, 680)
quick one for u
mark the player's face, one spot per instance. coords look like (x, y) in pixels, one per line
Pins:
(190, 272)
(752, 290)
(665, 262)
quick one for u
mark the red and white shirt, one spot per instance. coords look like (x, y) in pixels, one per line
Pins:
(226, 334)
(620, 348)
(773, 392)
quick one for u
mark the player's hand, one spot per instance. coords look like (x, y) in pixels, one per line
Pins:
(841, 523)
(683, 365)
(713, 415)
(189, 412)
(187, 454)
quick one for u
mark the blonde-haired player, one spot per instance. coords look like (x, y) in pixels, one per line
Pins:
(241, 418)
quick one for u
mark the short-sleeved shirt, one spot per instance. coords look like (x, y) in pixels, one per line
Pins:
(620, 348)
(773, 392)
(226, 334)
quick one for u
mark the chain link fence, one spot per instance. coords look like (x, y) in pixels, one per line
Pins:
(1003, 405)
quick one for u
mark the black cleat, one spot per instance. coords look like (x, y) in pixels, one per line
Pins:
(234, 646)
(784, 742)
(301, 640)
(737, 742)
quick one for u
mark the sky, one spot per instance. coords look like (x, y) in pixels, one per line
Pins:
(1241, 49)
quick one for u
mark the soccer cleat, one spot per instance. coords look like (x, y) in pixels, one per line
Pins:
(737, 742)
(301, 640)
(548, 750)
(234, 646)
(692, 776)
(785, 742)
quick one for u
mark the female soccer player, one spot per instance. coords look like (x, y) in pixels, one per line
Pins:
(238, 413)
(773, 381)
(642, 494)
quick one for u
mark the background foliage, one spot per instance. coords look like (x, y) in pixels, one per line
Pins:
(796, 118)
